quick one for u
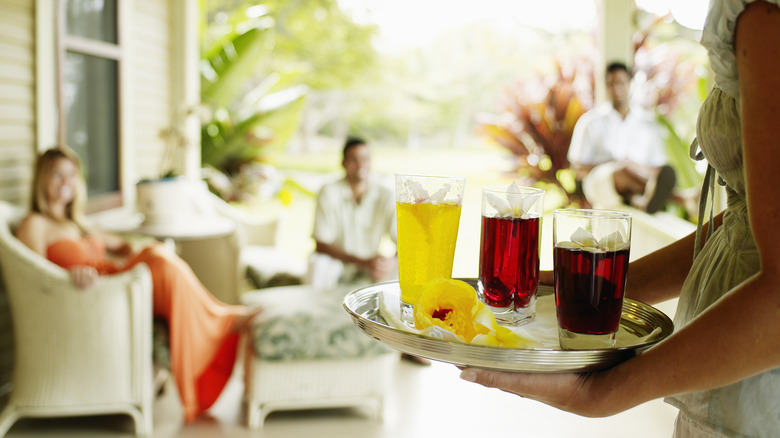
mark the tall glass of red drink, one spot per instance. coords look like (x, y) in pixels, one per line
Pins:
(509, 251)
(590, 261)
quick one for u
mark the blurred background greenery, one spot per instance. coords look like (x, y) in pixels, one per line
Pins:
(285, 81)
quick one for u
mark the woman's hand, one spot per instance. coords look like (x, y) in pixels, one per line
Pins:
(575, 393)
(83, 277)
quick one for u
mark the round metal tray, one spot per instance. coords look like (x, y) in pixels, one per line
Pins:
(638, 321)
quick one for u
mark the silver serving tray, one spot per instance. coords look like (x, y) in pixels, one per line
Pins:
(638, 321)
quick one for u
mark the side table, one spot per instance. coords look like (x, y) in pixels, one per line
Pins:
(207, 243)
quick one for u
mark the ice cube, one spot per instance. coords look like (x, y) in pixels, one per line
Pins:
(613, 242)
(438, 197)
(592, 249)
(416, 191)
(500, 204)
(584, 238)
(567, 245)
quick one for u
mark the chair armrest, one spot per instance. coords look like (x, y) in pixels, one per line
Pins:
(103, 334)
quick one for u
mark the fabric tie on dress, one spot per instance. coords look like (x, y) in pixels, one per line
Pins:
(707, 191)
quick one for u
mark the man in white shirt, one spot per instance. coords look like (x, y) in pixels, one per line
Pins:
(617, 151)
(352, 217)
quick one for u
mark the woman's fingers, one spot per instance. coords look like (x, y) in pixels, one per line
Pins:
(83, 277)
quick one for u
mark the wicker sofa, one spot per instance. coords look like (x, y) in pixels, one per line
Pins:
(76, 352)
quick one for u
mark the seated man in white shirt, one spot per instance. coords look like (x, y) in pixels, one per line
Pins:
(617, 151)
(352, 217)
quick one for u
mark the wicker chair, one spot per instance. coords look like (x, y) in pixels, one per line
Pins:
(262, 262)
(76, 352)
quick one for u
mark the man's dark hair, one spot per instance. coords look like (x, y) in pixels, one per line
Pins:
(617, 65)
(351, 143)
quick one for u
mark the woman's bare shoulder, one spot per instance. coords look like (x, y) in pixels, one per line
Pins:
(33, 221)
(33, 231)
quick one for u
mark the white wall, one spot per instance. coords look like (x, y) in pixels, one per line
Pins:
(17, 134)
(163, 53)
(17, 98)
(148, 53)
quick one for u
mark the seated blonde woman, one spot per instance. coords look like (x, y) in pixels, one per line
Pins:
(203, 331)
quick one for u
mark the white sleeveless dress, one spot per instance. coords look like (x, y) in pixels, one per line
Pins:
(750, 408)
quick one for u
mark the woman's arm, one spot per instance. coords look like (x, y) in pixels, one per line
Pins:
(758, 60)
(736, 337)
(117, 244)
(33, 232)
(659, 276)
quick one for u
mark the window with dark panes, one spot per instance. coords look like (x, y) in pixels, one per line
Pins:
(89, 77)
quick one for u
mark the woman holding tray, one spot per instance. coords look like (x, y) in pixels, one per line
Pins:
(721, 367)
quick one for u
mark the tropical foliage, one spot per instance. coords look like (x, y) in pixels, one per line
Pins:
(536, 117)
(255, 78)
(673, 84)
(535, 123)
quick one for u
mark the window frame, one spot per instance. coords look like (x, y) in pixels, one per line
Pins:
(51, 58)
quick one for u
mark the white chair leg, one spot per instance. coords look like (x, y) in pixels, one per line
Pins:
(380, 408)
(7, 419)
(143, 421)
(254, 415)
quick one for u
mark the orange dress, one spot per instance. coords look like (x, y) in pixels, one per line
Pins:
(203, 345)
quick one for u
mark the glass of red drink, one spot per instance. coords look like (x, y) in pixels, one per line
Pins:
(509, 251)
(590, 258)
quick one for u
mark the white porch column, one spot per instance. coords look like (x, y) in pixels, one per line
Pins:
(185, 83)
(615, 34)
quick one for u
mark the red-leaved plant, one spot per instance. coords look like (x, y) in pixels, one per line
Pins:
(535, 121)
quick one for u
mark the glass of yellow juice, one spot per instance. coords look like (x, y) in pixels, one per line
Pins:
(428, 214)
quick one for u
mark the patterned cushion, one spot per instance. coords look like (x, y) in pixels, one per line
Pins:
(323, 330)
(161, 350)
